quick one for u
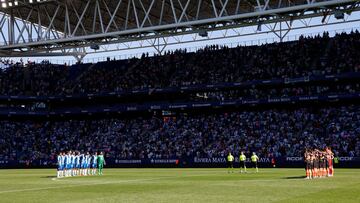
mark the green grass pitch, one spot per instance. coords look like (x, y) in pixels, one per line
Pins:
(179, 185)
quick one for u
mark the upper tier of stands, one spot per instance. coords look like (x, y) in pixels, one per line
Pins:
(214, 64)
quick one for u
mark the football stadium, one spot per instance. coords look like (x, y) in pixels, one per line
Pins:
(180, 101)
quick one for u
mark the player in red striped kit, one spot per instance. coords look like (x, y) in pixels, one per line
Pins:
(330, 157)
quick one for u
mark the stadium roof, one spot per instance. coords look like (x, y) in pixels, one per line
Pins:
(39, 26)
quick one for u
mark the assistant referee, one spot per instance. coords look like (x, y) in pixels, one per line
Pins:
(254, 161)
(230, 162)
(242, 159)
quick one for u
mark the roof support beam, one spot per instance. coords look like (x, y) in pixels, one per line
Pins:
(223, 7)
(81, 17)
(173, 10)
(84, 23)
(112, 15)
(147, 12)
(100, 16)
(184, 10)
(24, 24)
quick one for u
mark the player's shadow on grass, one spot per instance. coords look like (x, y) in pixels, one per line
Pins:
(48, 176)
(295, 177)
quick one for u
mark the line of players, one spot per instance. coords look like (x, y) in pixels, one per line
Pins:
(77, 164)
(319, 163)
(242, 158)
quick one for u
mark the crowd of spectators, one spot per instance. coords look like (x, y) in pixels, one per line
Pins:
(267, 93)
(317, 55)
(33, 79)
(270, 133)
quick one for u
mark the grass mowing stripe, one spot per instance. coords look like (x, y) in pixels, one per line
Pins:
(97, 183)
(77, 185)
(179, 185)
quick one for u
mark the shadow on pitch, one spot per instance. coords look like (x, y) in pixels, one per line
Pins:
(48, 176)
(295, 177)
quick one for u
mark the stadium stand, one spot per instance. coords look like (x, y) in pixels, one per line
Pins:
(210, 65)
(274, 132)
(271, 133)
